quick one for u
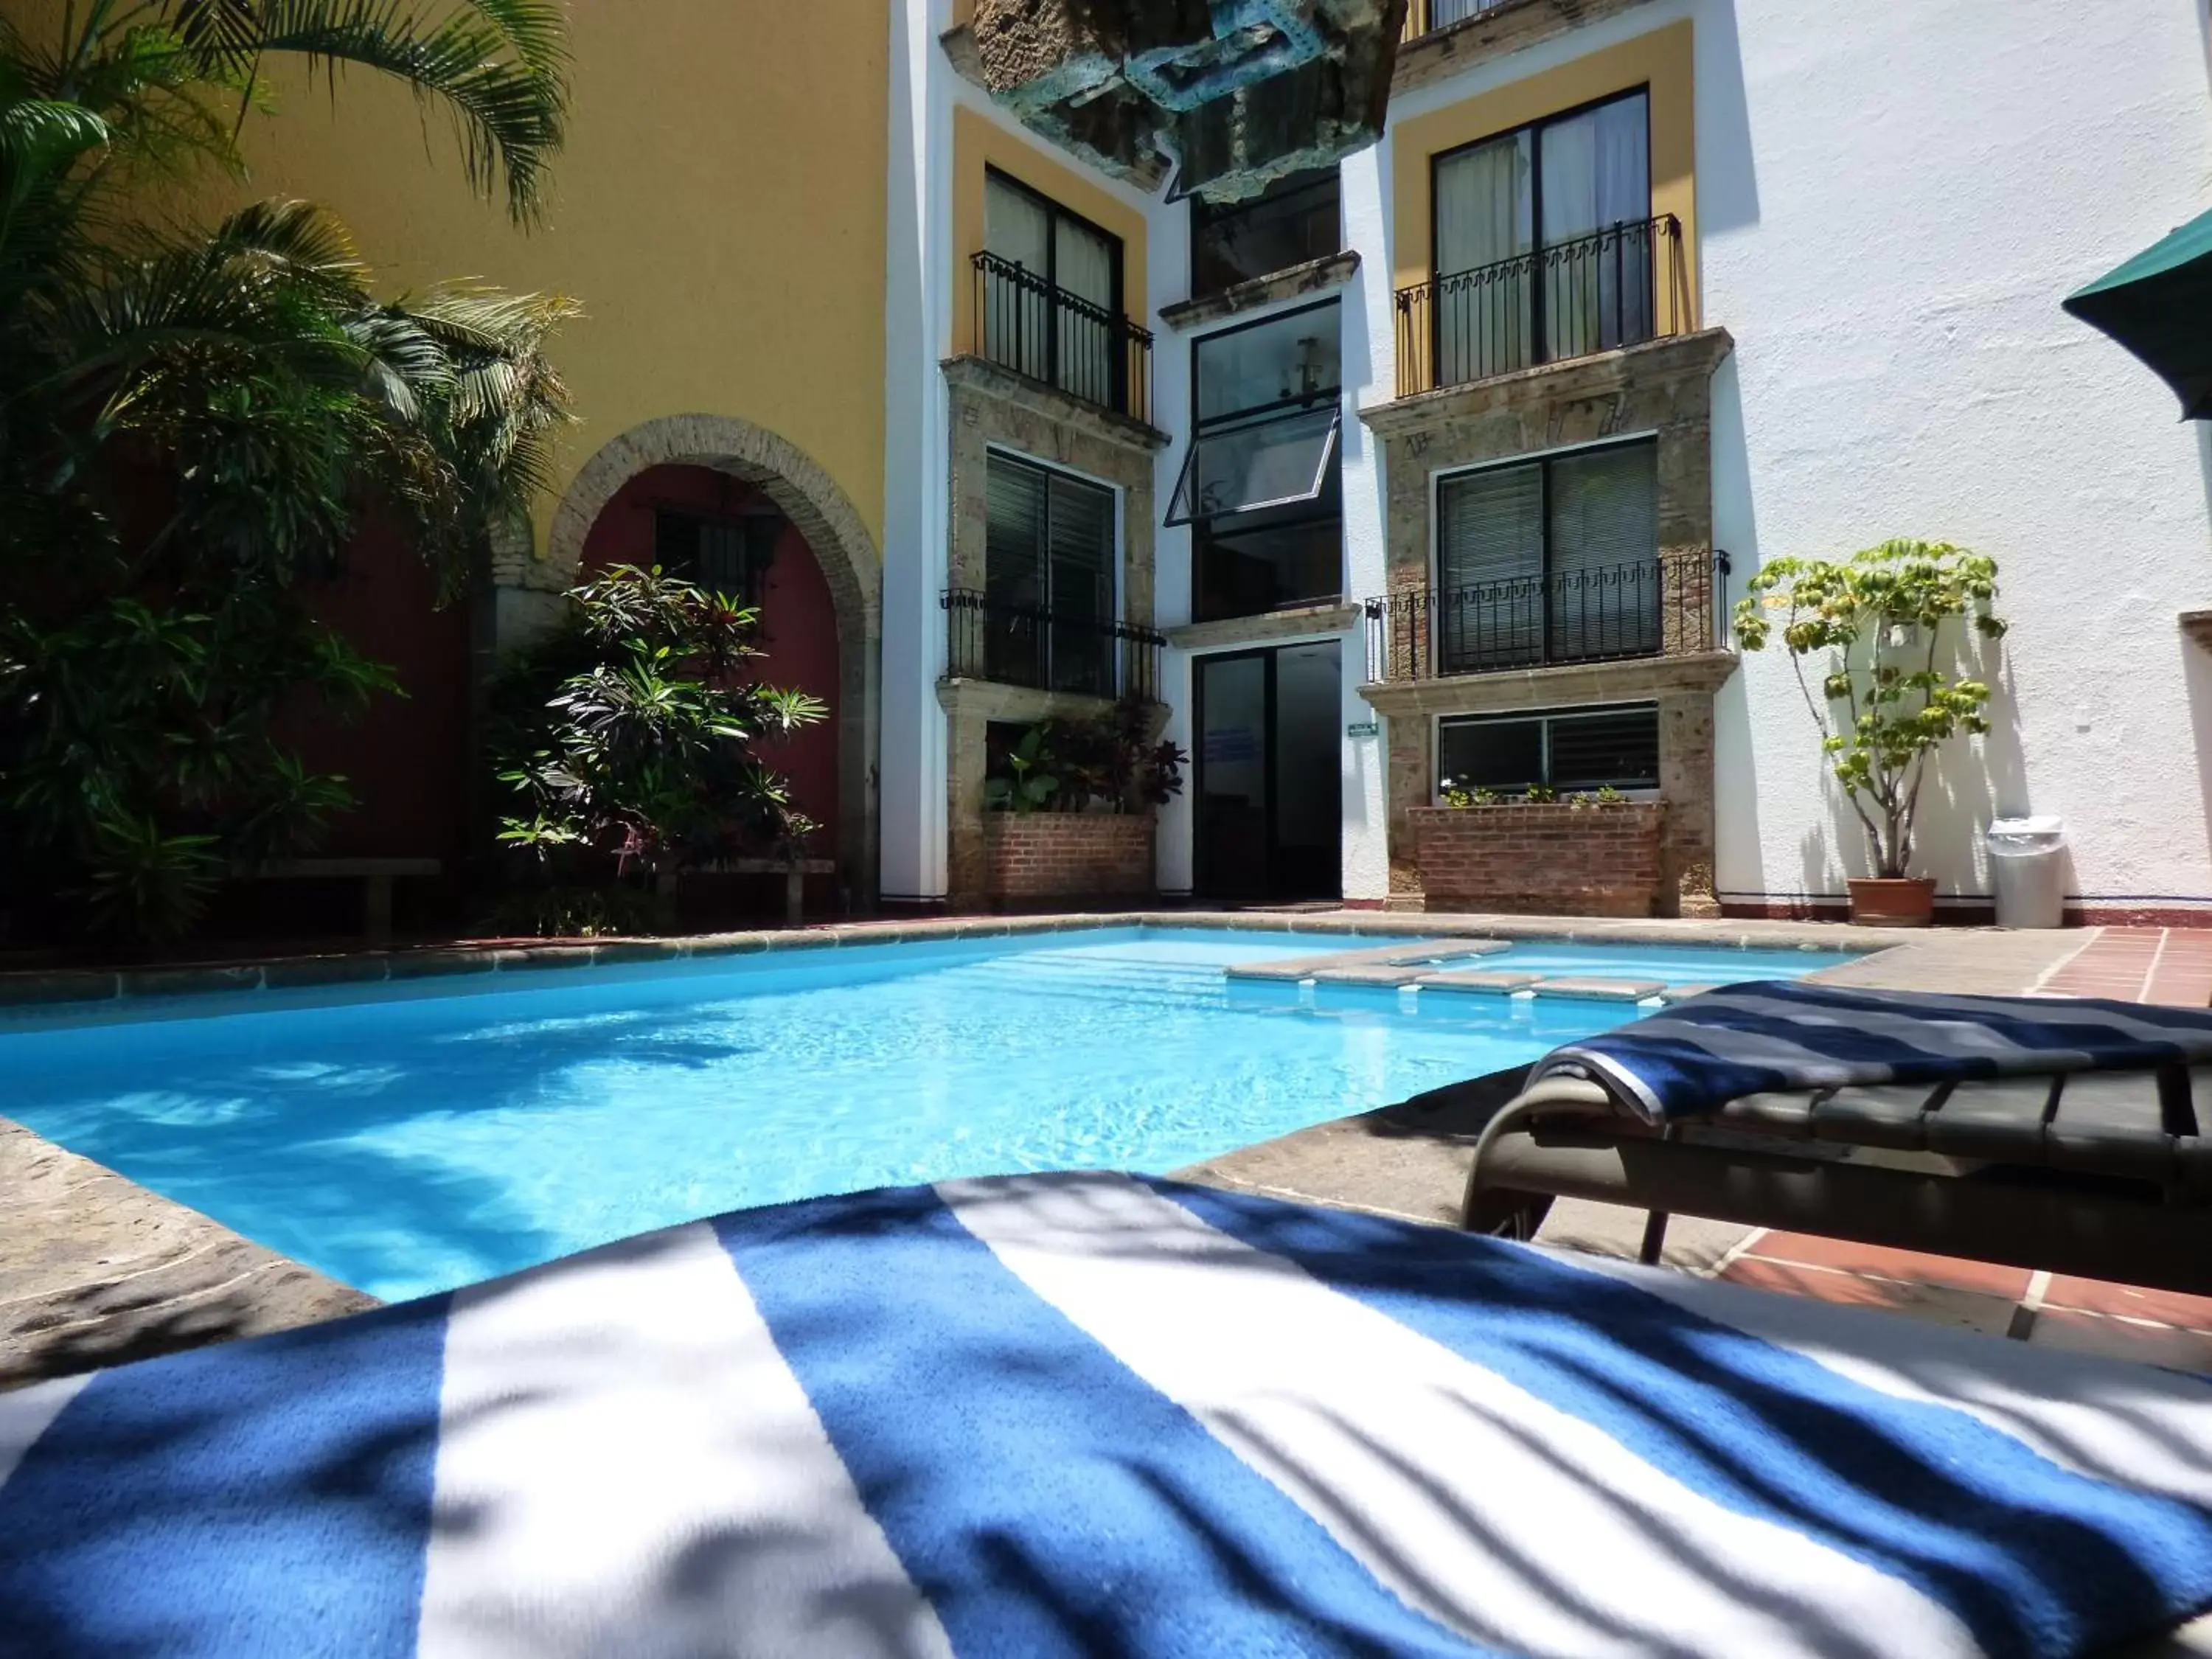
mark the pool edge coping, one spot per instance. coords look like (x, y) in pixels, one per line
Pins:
(54, 991)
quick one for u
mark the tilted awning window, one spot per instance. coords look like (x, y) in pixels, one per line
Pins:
(1280, 461)
(2156, 305)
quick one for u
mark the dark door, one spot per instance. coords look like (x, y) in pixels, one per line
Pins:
(1269, 788)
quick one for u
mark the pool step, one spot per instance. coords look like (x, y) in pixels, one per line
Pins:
(1495, 981)
(1368, 973)
(1600, 990)
(1328, 965)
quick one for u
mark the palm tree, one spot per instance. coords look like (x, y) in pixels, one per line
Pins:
(190, 422)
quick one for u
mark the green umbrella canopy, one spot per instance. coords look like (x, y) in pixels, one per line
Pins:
(2159, 306)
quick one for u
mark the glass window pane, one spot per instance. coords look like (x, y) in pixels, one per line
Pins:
(1271, 463)
(1505, 756)
(1298, 355)
(1297, 220)
(1490, 558)
(1604, 536)
(1607, 747)
(1017, 226)
(1266, 561)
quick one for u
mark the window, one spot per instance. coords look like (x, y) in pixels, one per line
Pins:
(729, 554)
(1569, 749)
(1291, 222)
(1544, 242)
(1261, 486)
(1052, 295)
(1550, 561)
(1047, 578)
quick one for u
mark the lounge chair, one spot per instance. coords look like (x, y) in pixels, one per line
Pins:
(2044, 1133)
(1092, 1414)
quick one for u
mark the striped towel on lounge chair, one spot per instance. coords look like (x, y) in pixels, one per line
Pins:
(1775, 1035)
(1091, 1414)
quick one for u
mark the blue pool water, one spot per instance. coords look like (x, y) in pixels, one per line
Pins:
(413, 1138)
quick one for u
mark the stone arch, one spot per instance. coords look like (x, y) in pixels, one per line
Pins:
(825, 515)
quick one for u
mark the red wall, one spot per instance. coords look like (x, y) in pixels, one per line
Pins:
(407, 758)
(799, 625)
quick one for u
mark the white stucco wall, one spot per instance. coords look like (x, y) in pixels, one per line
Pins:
(1891, 202)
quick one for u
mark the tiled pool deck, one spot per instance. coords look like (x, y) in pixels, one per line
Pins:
(1401, 1165)
(94, 1270)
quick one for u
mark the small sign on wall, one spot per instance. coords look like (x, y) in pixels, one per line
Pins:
(1364, 729)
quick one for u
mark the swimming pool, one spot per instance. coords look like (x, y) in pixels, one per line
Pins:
(409, 1139)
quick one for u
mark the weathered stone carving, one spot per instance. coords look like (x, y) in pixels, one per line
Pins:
(1236, 93)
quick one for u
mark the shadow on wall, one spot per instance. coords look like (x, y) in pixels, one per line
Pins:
(1728, 178)
(1737, 857)
(2196, 677)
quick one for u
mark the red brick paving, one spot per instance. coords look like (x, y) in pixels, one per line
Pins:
(2141, 964)
(2160, 1328)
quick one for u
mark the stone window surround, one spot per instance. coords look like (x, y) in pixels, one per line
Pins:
(1662, 388)
(994, 408)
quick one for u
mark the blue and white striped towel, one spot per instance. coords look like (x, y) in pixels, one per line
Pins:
(1795, 1034)
(1093, 1414)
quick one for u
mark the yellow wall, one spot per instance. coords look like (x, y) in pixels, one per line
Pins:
(979, 145)
(1661, 60)
(719, 211)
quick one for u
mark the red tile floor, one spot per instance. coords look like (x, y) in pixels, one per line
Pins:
(2133, 965)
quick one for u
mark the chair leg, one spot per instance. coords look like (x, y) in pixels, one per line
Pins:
(1655, 1238)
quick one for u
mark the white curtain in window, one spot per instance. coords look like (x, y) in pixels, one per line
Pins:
(1084, 269)
(1018, 314)
(1597, 196)
(1485, 218)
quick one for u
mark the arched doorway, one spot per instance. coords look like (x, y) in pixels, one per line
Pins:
(821, 555)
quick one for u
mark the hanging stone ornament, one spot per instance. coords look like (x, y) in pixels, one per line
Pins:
(1228, 95)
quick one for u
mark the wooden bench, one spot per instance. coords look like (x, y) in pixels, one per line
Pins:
(794, 872)
(375, 875)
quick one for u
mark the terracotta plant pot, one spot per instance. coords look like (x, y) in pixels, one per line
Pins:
(1879, 902)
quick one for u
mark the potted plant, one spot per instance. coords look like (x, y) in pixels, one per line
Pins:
(1887, 625)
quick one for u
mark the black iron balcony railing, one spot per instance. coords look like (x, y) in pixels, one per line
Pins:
(1617, 286)
(1051, 649)
(1666, 606)
(1028, 324)
(1427, 16)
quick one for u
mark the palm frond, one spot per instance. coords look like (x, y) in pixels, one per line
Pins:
(500, 66)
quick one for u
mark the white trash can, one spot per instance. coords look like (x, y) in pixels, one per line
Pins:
(2027, 856)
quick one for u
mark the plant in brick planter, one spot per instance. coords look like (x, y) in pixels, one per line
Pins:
(1888, 625)
(1530, 852)
(1071, 806)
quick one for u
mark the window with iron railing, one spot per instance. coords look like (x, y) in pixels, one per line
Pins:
(1048, 300)
(729, 554)
(1045, 615)
(1545, 248)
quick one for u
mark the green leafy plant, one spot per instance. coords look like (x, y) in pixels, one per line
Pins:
(1028, 785)
(1539, 794)
(1071, 765)
(193, 420)
(1884, 630)
(626, 740)
(1609, 796)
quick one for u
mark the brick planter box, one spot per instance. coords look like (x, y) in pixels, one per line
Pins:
(1542, 859)
(1059, 855)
